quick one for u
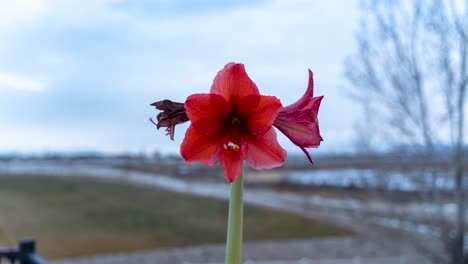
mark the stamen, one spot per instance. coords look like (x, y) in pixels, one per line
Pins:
(151, 120)
(233, 146)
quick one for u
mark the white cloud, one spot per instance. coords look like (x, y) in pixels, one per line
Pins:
(170, 56)
(8, 81)
(15, 13)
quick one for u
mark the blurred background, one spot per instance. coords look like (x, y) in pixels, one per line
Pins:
(84, 172)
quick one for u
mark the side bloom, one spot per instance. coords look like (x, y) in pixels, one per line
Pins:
(299, 121)
(172, 114)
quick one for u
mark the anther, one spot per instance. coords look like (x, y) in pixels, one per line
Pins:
(233, 146)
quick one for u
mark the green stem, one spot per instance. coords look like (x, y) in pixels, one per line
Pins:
(234, 232)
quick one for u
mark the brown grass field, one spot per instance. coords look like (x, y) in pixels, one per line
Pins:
(72, 217)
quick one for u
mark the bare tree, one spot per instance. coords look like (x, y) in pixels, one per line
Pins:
(410, 74)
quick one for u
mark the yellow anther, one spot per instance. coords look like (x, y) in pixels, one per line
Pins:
(233, 146)
(224, 146)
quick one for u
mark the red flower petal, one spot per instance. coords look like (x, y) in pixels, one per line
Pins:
(305, 136)
(301, 126)
(259, 112)
(264, 151)
(198, 147)
(208, 112)
(298, 121)
(233, 83)
(305, 99)
(314, 105)
(231, 163)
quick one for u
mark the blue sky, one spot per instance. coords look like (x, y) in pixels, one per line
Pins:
(80, 75)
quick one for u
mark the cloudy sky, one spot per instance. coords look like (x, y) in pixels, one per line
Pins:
(80, 75)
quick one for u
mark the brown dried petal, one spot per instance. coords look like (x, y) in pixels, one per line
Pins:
(173, 113)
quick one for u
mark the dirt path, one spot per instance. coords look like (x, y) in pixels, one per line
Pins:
(343, 250)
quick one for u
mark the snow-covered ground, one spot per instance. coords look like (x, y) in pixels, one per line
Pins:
(374, 179)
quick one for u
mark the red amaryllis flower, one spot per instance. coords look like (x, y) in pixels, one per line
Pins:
(299, 122)
(231, 124)
(234, 123)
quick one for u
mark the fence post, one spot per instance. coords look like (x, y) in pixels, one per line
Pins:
(27, 252)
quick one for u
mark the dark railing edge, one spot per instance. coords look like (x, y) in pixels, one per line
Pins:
(25, 253)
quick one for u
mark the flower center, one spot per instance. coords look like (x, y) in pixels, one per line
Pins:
(232, 143)
(235, 120)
